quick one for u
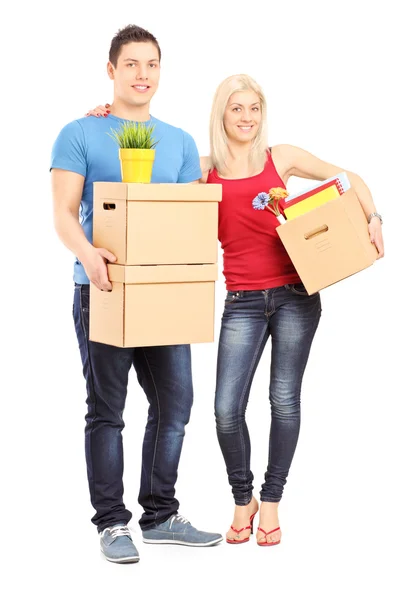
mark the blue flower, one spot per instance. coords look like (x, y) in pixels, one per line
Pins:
(261, 201)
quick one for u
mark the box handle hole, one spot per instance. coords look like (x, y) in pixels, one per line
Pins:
(108, 206)
(314, 232)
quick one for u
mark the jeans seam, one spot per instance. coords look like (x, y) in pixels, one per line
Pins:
(90, 375)
(269, 313)
(244, 391)
(157, 435)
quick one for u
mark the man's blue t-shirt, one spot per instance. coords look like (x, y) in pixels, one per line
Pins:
(84, 147)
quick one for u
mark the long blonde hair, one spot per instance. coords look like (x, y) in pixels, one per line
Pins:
(218, 137)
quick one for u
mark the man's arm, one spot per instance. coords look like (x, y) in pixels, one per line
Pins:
(190, 171)
(67, 188)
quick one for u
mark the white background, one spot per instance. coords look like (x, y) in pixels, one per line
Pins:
(329, 72)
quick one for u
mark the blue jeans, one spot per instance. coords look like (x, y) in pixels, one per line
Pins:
(164, 373)
(290, 316)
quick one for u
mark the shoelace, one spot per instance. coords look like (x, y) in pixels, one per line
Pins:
(119, 530)
(179, 518)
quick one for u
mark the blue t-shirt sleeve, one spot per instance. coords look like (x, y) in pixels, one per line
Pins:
(69, 150)
(190, 170)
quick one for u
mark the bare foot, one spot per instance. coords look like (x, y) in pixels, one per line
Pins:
(268, 521)
(241, 520)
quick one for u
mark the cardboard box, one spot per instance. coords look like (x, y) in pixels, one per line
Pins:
(157, 224)
(154, 306)
(329, 243)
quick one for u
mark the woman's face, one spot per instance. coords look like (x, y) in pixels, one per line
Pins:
(242, 116)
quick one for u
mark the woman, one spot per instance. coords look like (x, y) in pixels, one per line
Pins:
(265, 296)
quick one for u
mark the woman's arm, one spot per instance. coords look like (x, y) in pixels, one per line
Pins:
(205, 165)
(291, 160)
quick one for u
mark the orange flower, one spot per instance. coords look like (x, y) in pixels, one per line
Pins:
(278, 193)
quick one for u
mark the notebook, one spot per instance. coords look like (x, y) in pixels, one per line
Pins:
(298, 204)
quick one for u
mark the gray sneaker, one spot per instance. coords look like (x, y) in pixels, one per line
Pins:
(178, 530)
(116, 544)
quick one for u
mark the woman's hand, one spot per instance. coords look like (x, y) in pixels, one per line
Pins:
(99, 111)
(375, 234)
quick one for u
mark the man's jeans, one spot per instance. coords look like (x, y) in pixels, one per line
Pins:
(164, 373)
(291, 317)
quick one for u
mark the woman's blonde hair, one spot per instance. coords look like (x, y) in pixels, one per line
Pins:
(218, 137)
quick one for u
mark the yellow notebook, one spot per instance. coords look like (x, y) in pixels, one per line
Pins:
(329, 193)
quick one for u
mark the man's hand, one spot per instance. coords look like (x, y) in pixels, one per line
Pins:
(95, 265)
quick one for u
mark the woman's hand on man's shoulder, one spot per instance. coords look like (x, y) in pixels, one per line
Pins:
(205, 165)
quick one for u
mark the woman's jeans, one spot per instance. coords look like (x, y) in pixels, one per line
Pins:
(164, 373)
(291, 317)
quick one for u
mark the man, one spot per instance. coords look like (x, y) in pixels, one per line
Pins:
(84, 153)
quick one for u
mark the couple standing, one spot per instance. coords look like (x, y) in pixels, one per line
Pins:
(265, 298)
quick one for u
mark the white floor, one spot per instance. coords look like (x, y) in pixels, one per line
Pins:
(327, 551)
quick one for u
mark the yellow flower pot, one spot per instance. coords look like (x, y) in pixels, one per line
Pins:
(136, 164)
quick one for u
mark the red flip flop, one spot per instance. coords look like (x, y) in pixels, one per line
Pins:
(268, 533)
(233, 541)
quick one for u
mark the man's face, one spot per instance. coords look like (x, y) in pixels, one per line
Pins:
(137, 73)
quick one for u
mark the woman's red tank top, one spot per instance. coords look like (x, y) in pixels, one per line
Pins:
(254, 256)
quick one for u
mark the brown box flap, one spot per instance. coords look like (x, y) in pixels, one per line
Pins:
(177, 192)
(157, 192)
(110, 218)
(109, 189)
(359, 221)
(106, 324)
(162, 273)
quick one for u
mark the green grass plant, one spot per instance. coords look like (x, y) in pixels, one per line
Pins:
(134, 135)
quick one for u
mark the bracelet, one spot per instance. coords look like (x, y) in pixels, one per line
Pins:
(374, 214)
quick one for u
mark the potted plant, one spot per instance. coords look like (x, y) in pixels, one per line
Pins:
(136, 151)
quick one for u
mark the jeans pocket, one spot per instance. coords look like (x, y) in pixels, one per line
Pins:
(297, 288)
(231, 297)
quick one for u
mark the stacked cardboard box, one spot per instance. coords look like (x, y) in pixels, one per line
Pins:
(165, 239)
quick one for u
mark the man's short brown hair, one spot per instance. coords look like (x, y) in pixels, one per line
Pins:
(130, 33)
